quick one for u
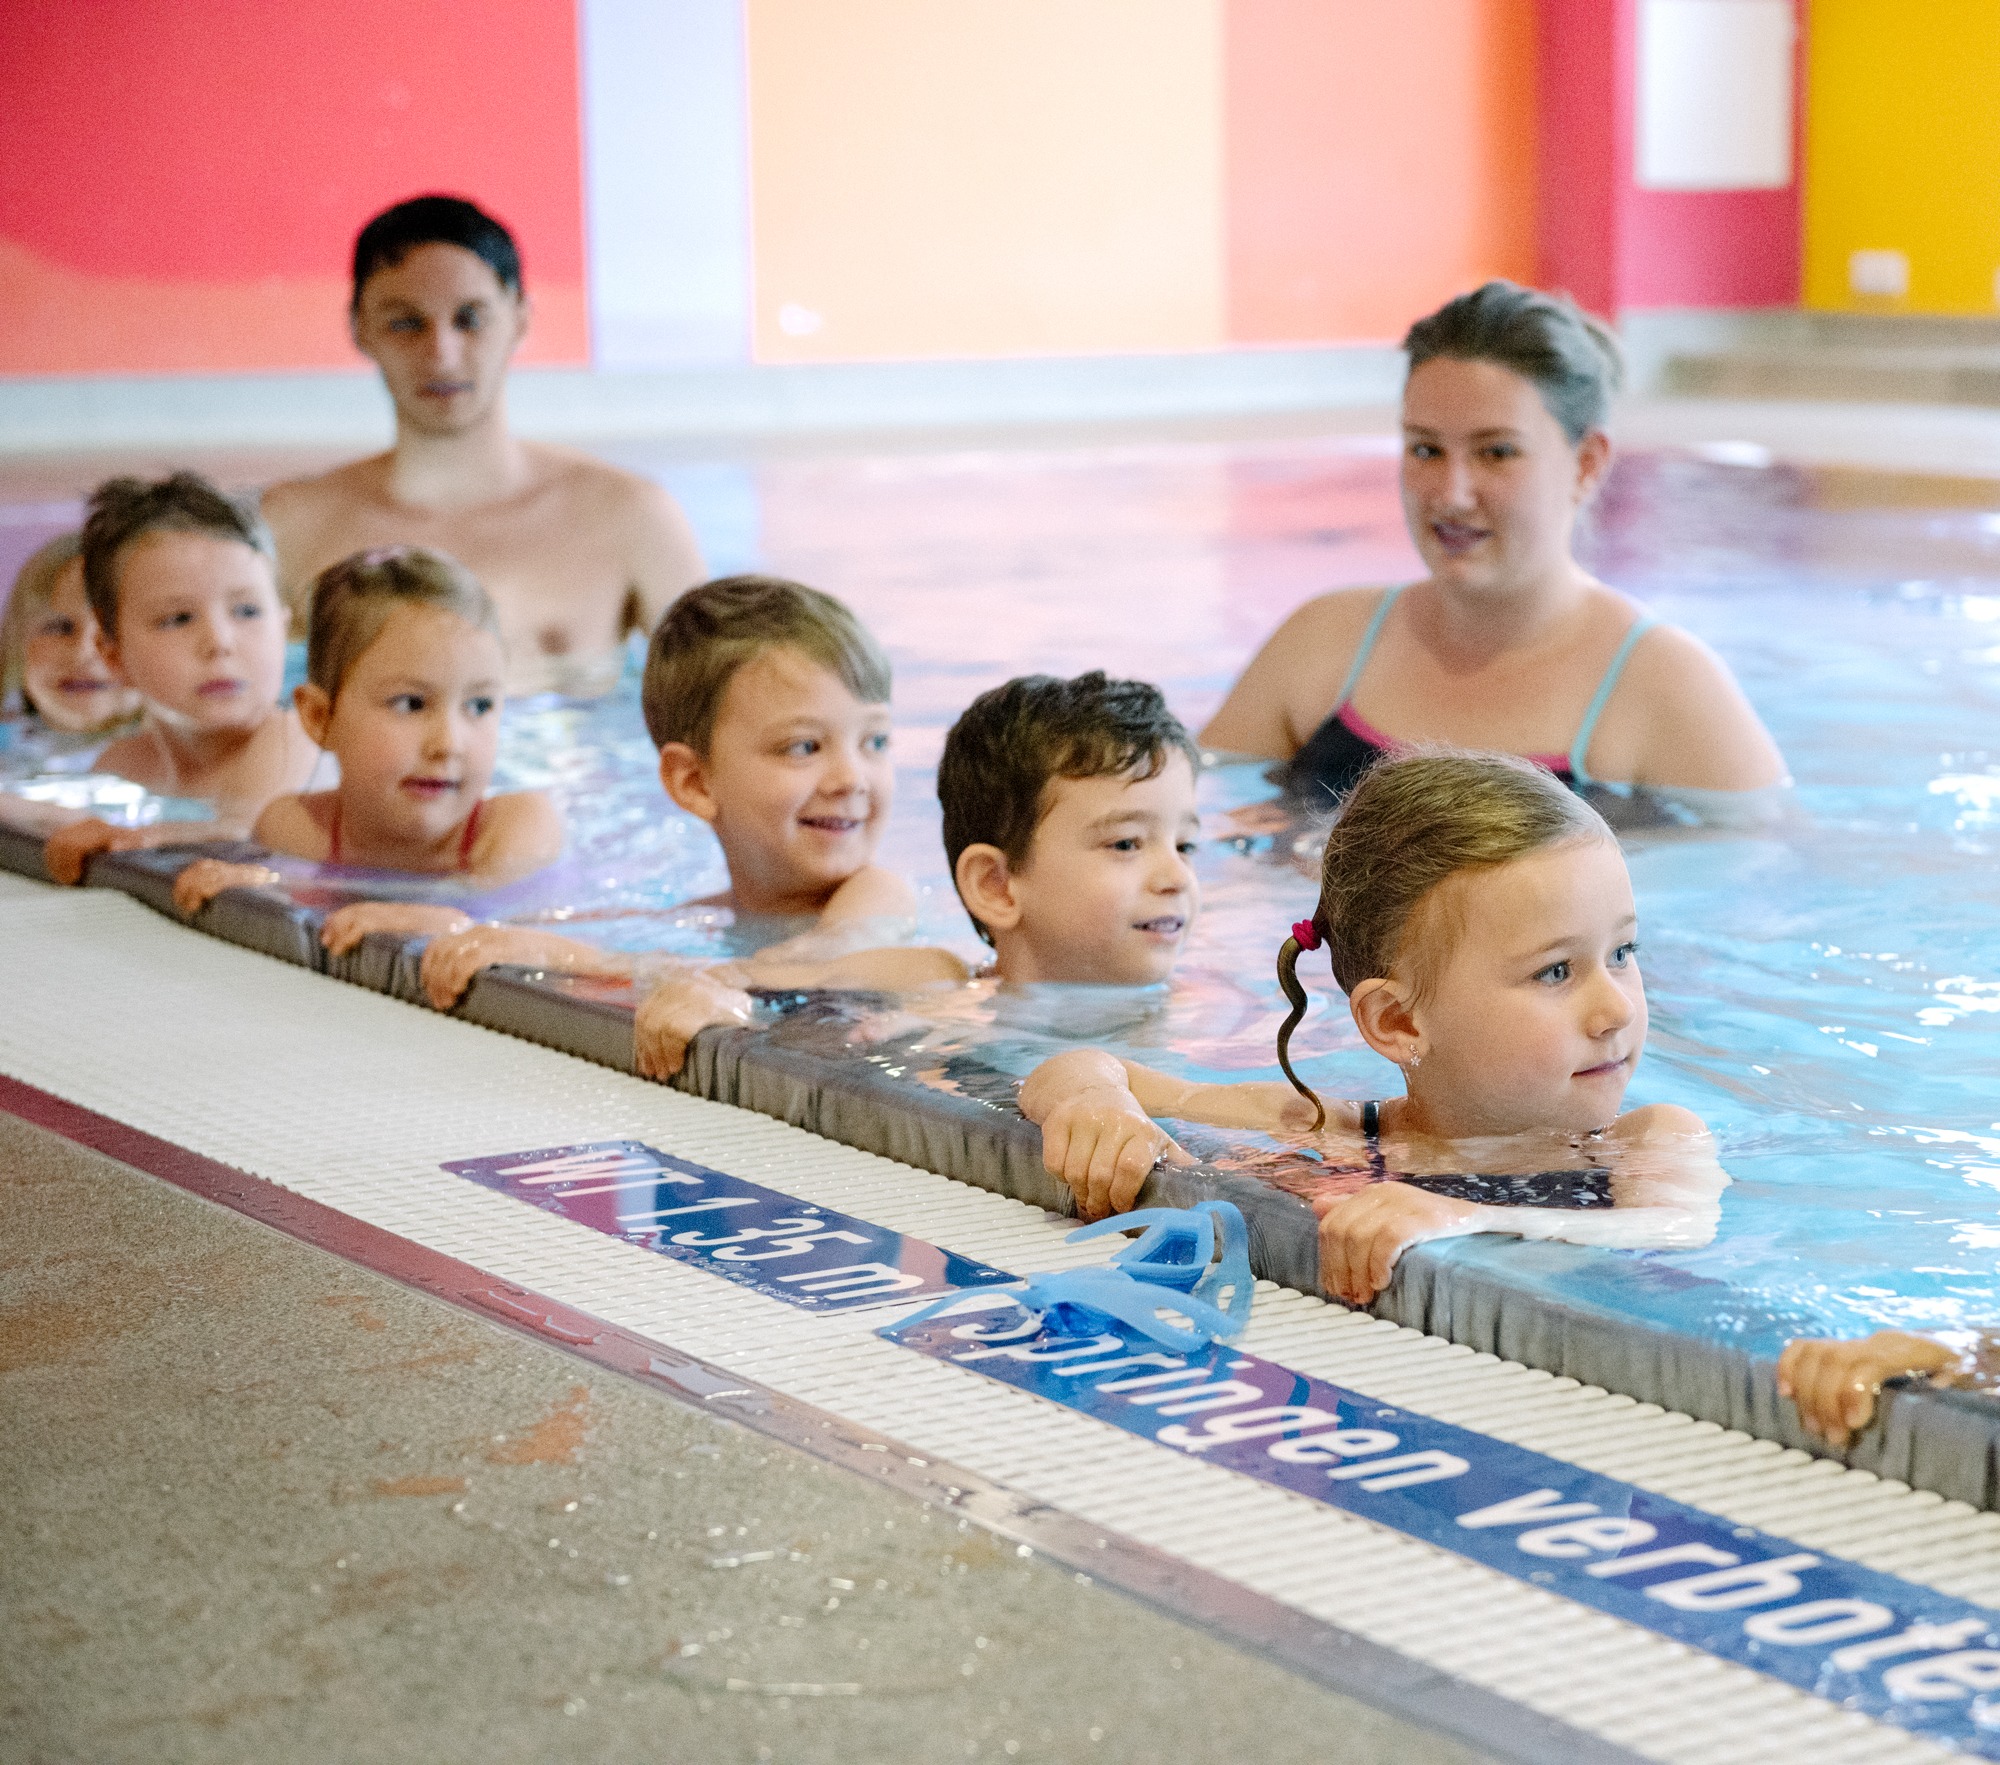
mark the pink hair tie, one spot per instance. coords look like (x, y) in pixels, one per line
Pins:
(1306, 933)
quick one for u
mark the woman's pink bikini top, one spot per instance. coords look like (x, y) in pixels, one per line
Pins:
(1334, 757)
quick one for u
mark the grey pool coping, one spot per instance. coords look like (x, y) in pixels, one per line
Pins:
(1490, 1294)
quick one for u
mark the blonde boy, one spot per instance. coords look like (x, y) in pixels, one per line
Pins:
(769, 703)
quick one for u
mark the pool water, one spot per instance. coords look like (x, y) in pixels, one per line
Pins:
(1825, 995)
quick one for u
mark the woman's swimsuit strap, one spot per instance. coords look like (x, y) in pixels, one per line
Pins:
(1333, 758)
(1579, 776)
(1371, 633)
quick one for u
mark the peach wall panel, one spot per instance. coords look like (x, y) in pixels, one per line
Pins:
(1380, 157)
(936, 178)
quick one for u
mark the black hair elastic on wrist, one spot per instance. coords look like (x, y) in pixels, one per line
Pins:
(1305, 936)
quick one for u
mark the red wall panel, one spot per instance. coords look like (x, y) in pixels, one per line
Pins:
(181, 180)
(1613, 245)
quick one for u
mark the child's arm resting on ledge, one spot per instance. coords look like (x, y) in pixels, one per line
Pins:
(452, 960)
(206, 878)
(69, 848)
(690, 1000)
(1835, 1384)
(1668, 1195)
(1098, 1134)
(677, 1010)
(345, 927)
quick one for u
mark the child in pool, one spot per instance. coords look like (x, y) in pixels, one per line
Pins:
(1069, 826)
(1835, 1384)
(1480, 921)
(403, 688)
(769, 704)
(179, 577)
(50, 666)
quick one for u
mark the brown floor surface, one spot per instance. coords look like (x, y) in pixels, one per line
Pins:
(257, 1504)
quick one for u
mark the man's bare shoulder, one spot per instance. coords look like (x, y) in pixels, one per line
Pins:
(604, 490)
(304, 502)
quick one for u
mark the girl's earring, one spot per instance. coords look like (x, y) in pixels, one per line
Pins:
(1415, 1061)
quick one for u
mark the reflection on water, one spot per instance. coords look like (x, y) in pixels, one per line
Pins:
(1828, 998)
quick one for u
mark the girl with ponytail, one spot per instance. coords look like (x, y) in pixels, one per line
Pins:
(1479, 918)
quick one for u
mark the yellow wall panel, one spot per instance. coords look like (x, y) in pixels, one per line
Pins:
(1903, 150)
(985, 177)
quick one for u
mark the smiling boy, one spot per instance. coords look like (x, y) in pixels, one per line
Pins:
(179, 577)
(769, 703)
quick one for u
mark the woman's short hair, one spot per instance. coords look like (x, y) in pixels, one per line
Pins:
(34, 587)
(434, 220)
(125, 509)
(352, 600)
(713, 629)
(1568, 357)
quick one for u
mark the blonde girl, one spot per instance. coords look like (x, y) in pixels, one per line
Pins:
(404, 688)
(1479, 918)
(51, 668)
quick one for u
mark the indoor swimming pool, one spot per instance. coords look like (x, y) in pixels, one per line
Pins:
(1824, 992)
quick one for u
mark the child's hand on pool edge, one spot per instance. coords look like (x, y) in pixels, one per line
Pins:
(1835, 1384)
(673, 1013)
(206, 878)
(1362, 1236)
(69, 849)
(345, 927)
(451, 961)
(1096, 1135)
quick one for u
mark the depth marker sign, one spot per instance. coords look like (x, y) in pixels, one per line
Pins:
(1871, 1642)
(789, 1249)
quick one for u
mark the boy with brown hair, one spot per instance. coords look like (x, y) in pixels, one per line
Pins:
(1070, 824)
(179, 576)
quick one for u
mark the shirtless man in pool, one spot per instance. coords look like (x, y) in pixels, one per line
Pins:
(574, 552)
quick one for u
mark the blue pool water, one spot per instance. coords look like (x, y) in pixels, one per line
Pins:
(1827, 996)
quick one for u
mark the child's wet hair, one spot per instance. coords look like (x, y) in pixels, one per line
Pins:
(1416, 820)
(1015, 741)
(125, 509)
(713, 629)
(351, 601)
(34, 587)
(1547, 339)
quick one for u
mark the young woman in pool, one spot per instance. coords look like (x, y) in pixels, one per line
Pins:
(1480, 921)
(403, 688)
(50, 666)
(1509, 643)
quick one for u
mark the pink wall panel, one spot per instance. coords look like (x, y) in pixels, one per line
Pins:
(1611, 244)
(181, 180)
